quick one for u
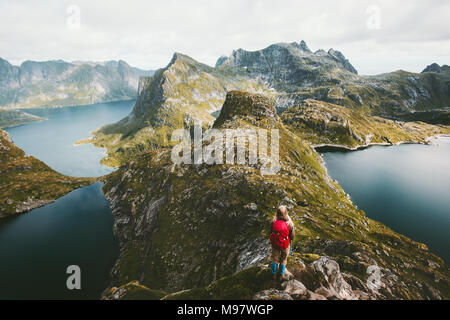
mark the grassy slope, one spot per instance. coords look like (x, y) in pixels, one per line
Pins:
(25, 179)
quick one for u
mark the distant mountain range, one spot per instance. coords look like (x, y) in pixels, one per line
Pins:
(58, 83)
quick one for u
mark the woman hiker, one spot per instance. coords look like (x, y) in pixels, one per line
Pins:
(281, 234)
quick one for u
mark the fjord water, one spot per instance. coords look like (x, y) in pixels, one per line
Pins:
(52, 140)
(406, 187)
(37, 247)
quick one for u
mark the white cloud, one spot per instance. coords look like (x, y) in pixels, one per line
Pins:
(146, 33)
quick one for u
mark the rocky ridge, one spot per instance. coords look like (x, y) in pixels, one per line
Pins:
(186, 227)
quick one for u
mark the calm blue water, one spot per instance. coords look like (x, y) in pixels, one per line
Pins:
(406, 187)
(37, 247)
(52, 140)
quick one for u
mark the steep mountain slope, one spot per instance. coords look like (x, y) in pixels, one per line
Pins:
(27, 183)
(434, 67)
(177, 96)
(60, 83)
(186, 226)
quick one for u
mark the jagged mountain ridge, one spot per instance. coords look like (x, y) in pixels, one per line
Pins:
(177, 96)
(298, 74)
(182, 227)
(287, 66)
(60, 83)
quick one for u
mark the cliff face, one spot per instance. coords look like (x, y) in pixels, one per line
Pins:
(185, 226)
(59, 83)
(287, 66)
(27, 183)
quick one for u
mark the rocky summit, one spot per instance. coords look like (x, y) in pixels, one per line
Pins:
(201, 231)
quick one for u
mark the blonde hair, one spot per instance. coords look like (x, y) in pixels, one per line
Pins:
(282, 214)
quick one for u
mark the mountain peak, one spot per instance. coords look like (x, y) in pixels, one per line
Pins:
(339, 57)
(303, 46)
(434, 67)
(221, 60)
(239, 103)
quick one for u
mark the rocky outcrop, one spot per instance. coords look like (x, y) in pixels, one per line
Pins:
(58, 83)
(434, 67)
(321, 279)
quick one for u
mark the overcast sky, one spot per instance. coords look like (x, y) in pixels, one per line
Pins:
(376, 36)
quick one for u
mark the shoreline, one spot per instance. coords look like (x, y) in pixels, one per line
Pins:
(386, 144)
(82, 141)
(66, 106)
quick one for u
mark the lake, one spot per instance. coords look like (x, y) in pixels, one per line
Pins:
(406, 187)
(37, 247)
(52, 140)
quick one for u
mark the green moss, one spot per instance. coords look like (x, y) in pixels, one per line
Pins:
(241, 286)
(133, 291)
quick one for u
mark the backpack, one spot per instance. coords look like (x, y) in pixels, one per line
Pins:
(279, 237)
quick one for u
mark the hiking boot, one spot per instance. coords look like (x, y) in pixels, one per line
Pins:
(278, 277)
